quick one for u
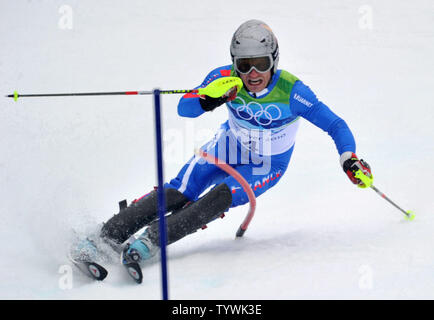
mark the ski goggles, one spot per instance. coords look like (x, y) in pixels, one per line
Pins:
(260, 64)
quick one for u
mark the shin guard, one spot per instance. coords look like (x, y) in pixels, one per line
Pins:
(138, 214)
(189, 219)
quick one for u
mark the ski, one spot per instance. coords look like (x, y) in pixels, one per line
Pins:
(135, 271)
(90, 268)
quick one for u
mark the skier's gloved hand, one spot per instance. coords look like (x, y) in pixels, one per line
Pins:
(357, 170)
(208, 103)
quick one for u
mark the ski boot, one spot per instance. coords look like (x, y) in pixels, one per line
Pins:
(135, 252)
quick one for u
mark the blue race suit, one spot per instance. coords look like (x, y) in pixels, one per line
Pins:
(273, 117)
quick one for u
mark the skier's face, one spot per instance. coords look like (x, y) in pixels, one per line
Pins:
(256, 81)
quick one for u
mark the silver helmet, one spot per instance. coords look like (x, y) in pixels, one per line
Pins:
(255, 38)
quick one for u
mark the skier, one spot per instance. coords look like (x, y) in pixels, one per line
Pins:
(257, 140)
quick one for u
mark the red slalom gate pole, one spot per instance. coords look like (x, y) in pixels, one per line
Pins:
(16, 95)
(244, 184)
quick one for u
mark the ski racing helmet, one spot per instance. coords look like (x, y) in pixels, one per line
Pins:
(254, 45)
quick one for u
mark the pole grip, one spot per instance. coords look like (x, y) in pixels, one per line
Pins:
(367, 181)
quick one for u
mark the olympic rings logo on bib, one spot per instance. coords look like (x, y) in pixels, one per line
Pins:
(263, 116)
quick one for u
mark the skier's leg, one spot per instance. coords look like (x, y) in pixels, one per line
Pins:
(183, 222)
(228, 193)
(193, 215)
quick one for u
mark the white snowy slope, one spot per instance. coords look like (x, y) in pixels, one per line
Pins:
(66, 162)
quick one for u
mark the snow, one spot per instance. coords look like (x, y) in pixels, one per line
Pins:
(66, 162)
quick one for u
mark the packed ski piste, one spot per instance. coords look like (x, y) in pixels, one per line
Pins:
(257, 140)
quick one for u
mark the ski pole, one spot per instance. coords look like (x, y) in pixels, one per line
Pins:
(409, 215)
(215, 89)
(15, 95)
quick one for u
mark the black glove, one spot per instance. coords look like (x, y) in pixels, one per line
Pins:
(208, 103)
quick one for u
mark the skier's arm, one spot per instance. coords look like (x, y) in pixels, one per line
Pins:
(192, 105)
(304, 103)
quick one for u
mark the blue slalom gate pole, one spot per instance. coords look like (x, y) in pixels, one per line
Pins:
(160, 192)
